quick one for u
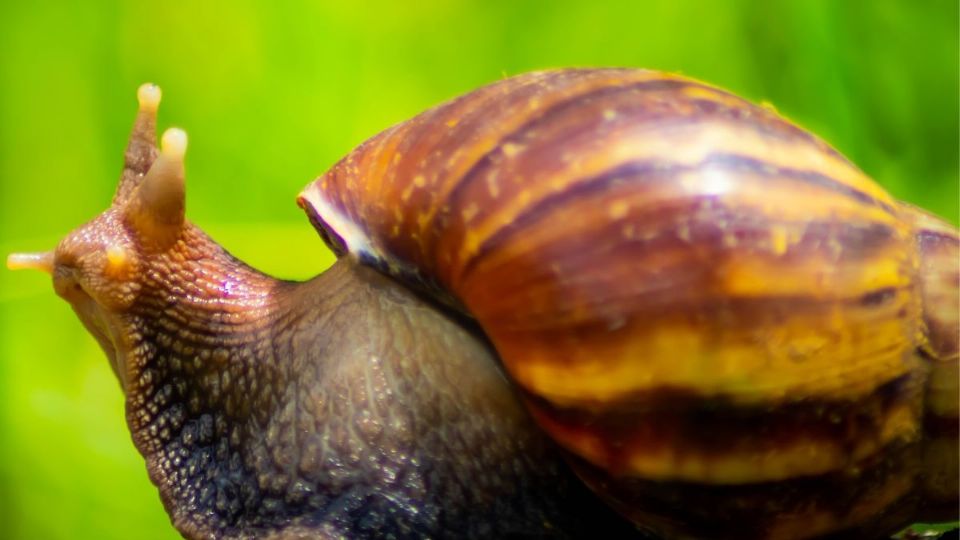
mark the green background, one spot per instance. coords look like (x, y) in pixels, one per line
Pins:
(272, 93)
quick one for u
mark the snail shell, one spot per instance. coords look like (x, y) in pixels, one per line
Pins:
(685, 287)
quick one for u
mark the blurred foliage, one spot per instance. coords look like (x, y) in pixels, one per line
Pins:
(273, 92)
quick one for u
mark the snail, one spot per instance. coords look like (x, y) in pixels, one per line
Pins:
(571, 303)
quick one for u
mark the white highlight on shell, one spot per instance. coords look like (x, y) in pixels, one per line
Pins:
(354, 239)
(713, 181)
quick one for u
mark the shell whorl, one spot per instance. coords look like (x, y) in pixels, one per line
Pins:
(658, 262)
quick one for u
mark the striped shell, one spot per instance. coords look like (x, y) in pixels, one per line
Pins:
(686, 287)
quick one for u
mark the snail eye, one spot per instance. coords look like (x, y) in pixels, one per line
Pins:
(118, 261)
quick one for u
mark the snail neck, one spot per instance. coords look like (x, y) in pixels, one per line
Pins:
(199, 309)
(208, 296)
(344, 406)
(198, 325)
(204, 374)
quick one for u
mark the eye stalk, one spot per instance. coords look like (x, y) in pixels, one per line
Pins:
(142, 147)
(42, 261)
(148, 96)
(149, 203)
(100, 268)
(156, 206)
(151, 190)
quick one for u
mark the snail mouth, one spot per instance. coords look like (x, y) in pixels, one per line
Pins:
(95, 321)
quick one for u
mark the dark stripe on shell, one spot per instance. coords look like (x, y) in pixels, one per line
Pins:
(769, 123)
(552, 112)
(878, 297)
(659, 171)
(712, 314)
(735, 162)
(696, 510)
(685, 418)
(932, 239)
(941, 426)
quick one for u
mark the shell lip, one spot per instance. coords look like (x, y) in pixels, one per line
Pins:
(338, 229)
(330, 237)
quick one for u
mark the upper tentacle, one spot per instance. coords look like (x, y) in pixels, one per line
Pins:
(142, 148)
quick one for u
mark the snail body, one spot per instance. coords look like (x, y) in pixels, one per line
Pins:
(728, 329)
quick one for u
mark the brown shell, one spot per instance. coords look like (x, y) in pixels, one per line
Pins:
(686, 286)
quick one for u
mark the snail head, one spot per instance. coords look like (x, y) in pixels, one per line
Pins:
(99, 266)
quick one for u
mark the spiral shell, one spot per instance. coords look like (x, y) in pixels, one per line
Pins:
(685, 286)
